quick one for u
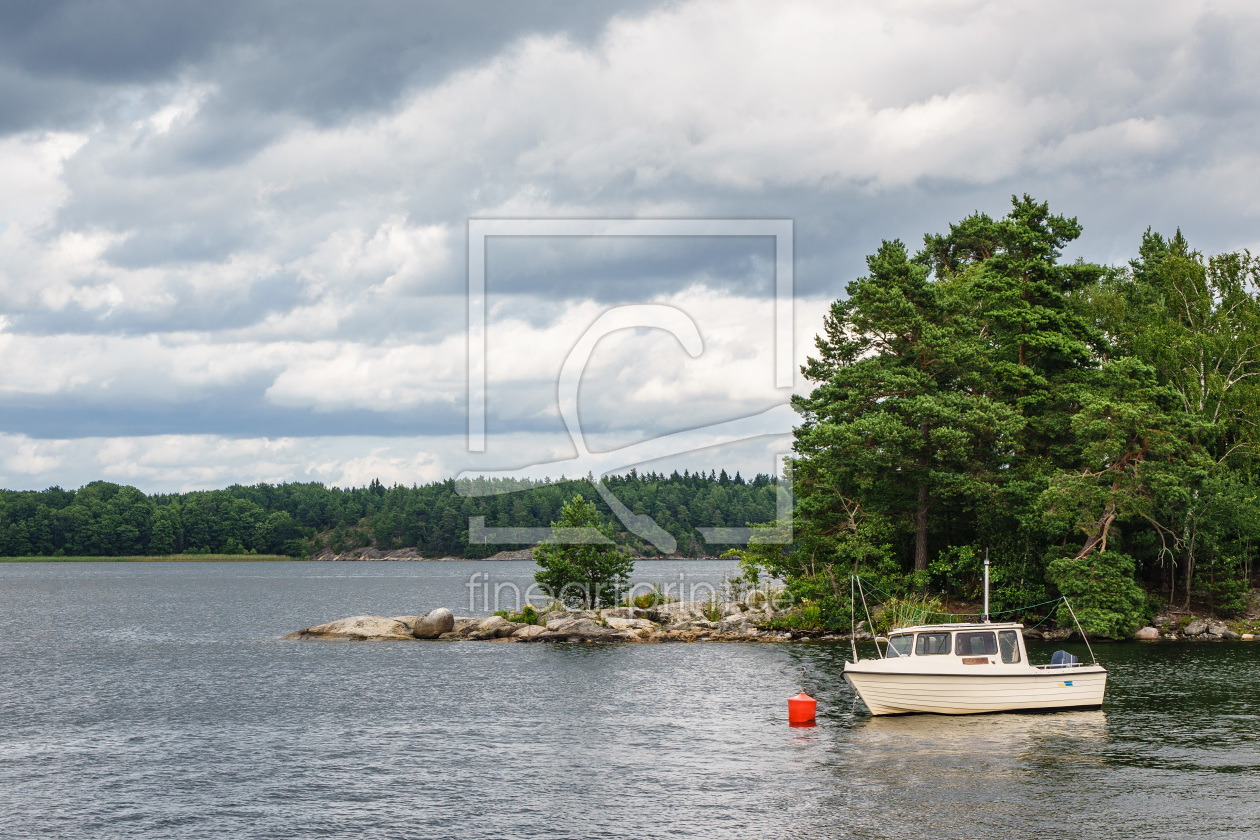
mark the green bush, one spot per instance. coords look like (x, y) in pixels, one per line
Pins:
(1227, 587)
(713, 610)
(1102, 590)
(810, 615)
(528, 615)
(647, 600)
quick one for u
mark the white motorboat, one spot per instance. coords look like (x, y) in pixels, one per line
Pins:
(965, 669)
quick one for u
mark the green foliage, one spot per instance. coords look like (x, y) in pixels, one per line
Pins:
(1103, 593)
(588, 573)
(527, 615)
(809, 615)
(713, 609)
(647, 600)
(1227, 589)
(299, 519)
(979, 394)
(957, 569)
(908, 612)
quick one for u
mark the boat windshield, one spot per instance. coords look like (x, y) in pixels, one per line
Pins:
(900, 645)
(931, 644)
(1008, 641)
(981, 643)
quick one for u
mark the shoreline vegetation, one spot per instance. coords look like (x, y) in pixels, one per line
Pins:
(680, 621)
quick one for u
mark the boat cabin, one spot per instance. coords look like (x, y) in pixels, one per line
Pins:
(973, 644)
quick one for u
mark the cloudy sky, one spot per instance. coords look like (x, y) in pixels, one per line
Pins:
(234, 236)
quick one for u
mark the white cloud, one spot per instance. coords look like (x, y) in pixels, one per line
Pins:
(31, 171)
(327, 376)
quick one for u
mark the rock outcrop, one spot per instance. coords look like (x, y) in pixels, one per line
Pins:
(688, 622)
(685, 621)
(494, 627)
(433, 624)
(576, 629)
(360, 627)
(1197, 627)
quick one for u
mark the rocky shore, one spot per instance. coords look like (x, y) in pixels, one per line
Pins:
(684, 621)
(1190, 629)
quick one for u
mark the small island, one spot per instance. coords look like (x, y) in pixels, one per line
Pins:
(684, 621)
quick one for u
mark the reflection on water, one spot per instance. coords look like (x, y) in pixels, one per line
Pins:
(997, 734)
(155, 701)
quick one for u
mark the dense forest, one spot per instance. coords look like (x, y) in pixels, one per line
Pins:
(1093, 427)
(103, 519)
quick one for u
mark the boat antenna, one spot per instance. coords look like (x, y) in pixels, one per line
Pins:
(985, 618)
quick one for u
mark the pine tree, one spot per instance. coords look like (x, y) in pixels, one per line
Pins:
(589, 573)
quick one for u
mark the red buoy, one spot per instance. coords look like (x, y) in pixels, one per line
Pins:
(801, 708)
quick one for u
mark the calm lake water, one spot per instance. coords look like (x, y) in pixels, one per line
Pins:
(156, 700)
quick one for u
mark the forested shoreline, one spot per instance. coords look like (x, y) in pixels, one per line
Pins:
(1092, 427)
(300, 519)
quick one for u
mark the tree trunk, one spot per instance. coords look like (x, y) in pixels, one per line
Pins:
(920, 536)
(1098, 539)
(1189, 574)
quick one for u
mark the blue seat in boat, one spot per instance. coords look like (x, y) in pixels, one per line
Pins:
(1063, 659)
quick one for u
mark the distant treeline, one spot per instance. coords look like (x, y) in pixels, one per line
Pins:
(104, 519)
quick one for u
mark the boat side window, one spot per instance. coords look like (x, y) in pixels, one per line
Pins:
(900, 645)
(931, 644)
(982, 643)
(1008, 641)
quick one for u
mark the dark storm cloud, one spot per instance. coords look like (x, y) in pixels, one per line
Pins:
(320, 59)
(627, 268)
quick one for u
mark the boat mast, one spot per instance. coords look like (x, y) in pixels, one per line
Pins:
(853, 619)
(985, 618)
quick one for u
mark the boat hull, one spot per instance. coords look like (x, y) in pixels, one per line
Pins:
(891, 693)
